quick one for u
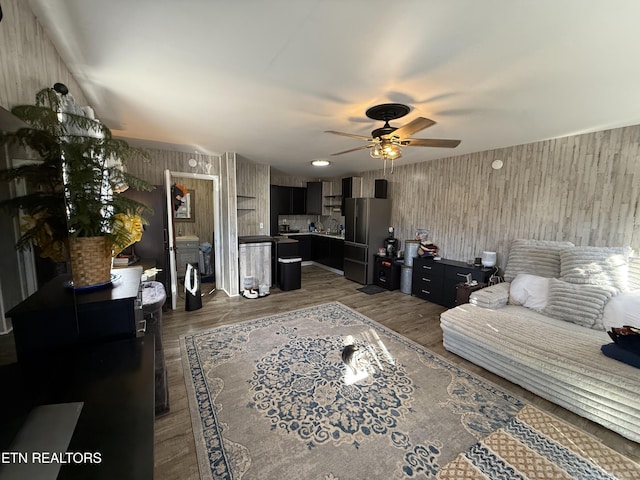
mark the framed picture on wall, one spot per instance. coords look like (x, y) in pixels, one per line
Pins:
(186, 211)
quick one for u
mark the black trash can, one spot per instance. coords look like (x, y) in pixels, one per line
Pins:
(289, 272)
(153, 298)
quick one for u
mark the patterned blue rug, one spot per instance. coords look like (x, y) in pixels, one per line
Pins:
(271, 399)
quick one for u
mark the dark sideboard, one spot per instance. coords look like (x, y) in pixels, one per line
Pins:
(436, 280)
(57, 318)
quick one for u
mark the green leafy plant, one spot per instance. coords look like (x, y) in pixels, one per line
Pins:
(78, 181)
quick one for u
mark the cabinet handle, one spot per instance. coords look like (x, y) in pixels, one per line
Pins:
(426, 291)
(426, 279)
(143, 326)
(426, 266)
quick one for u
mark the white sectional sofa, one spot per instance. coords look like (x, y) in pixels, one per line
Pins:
(544, 327)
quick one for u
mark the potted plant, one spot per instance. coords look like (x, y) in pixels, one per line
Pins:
(77, 211)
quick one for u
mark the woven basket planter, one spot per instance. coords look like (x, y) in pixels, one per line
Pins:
(90, 261)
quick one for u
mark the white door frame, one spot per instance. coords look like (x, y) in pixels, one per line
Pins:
(168, 175)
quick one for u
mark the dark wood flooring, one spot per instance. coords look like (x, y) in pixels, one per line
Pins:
(410, 316)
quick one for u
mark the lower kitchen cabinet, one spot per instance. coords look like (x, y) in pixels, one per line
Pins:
(304, 246)
(328, 251)
(436, 280)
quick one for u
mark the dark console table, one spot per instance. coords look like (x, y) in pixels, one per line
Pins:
(115, 382)
(56, 317)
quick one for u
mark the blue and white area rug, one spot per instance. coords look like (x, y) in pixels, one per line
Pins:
(271, 399)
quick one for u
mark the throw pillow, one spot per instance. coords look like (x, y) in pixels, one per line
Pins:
(623, 309)
(616, 352)
(494, 296)
(596, 266)
(536, 257)
(530, 291)
(577, 303)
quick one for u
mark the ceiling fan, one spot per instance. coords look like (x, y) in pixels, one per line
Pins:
(386, 142)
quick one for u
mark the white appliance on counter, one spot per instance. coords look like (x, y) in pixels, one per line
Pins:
(366, 228)
(255, 262)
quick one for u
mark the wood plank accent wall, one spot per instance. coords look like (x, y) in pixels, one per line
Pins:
(230, 282)
(28, 60)
(252, 180)
(152, 169)
(583, 188)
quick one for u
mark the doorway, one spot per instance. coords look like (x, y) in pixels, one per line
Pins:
(197, 223)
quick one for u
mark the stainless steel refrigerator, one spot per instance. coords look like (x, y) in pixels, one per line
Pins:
(366, 227)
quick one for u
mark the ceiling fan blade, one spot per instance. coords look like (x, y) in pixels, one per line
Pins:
(430, 142)
(352, 150)
(412, 127)
(359, 137)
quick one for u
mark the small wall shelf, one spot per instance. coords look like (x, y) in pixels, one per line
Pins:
(246, 203)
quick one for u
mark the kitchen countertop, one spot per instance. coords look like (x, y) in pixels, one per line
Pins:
(265, 238)
(330, 235)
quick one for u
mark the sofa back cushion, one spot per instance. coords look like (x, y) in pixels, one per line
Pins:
(581, 304)
(634, 273)
(535, 257)
(596, 266)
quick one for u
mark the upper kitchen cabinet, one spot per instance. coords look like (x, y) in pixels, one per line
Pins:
(288, 200)
(314, 198)
(298, 200)
(351, 188)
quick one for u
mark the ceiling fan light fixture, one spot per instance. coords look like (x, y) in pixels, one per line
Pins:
(320, 162)
(386, 149)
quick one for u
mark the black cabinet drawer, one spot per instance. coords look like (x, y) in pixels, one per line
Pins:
(426, 280)
(459, 274)
(428, 268)
(426, 289)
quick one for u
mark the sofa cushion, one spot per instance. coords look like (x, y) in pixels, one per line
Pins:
(557, 360)
(536, 257)
(494, 296)
(634, 273)
(596, 266)
(578, 303)
(623, 309)
(530, 291)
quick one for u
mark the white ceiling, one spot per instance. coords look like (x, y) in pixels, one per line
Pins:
(266, 78)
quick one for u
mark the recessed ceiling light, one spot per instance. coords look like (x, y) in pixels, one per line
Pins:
(320, 163)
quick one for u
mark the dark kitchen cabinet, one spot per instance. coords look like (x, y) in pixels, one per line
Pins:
(286, 201)
(320, 249)
(337, 254)
(280, 198)
(298, 201)
(351, 188)
(304, 246)
(328, 251)
(314, 198)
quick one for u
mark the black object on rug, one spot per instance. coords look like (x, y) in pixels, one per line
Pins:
(372, 289)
